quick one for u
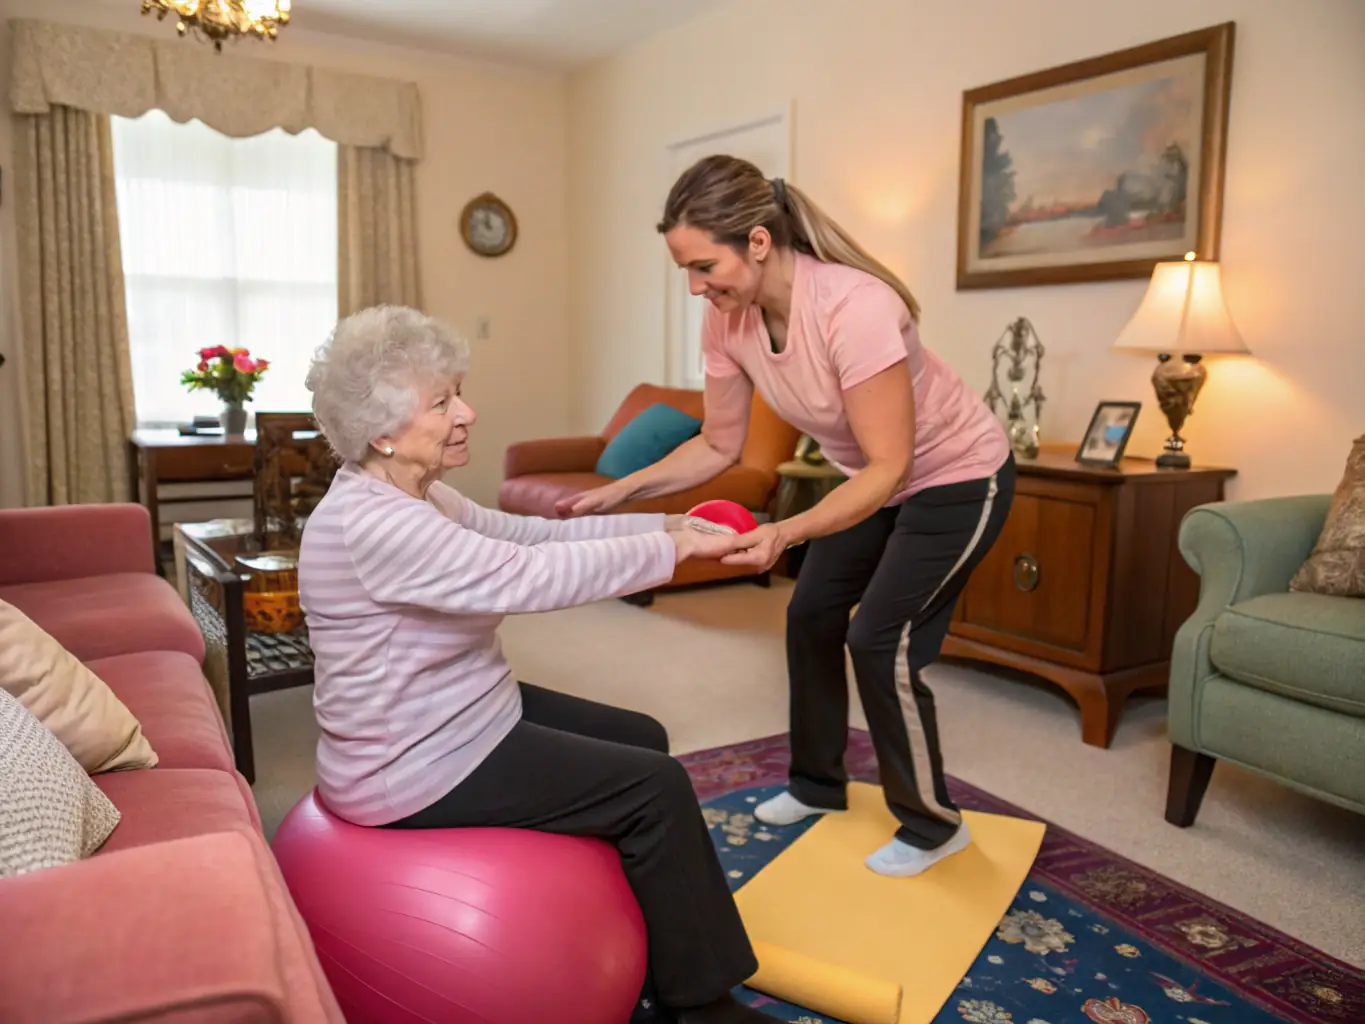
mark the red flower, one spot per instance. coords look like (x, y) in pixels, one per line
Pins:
(243, 364)
(203, 365)
(262, 364)
(1114, 1011)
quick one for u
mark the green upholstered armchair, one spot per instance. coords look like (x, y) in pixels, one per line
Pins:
(1265, 678)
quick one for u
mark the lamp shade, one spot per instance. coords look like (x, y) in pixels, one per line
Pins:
(1183, 312)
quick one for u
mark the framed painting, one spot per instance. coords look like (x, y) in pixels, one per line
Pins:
(1096, 170)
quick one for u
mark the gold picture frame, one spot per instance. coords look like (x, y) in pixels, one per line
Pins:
(1096, 170)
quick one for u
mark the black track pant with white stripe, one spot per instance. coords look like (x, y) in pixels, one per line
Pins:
(903, 568)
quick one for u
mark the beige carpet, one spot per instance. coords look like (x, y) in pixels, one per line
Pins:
(709, 664)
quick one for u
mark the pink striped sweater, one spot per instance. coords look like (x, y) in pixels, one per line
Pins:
(403, 598)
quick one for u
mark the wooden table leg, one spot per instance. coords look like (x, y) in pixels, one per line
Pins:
(134, 472)
(149, 475)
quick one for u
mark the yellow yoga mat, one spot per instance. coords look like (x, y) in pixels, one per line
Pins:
(834, 937)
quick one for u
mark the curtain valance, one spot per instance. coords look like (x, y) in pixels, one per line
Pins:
(128, 75)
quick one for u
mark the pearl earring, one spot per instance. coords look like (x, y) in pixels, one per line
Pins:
(388, 450)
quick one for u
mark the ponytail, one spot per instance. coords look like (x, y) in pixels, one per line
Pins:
(729, 197)
(817, 233)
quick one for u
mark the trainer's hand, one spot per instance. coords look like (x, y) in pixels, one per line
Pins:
(585, 503)
(760, 548)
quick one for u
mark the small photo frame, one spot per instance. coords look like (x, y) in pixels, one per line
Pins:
(1108, 433)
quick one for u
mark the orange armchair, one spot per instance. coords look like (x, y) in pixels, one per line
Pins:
(538, 473)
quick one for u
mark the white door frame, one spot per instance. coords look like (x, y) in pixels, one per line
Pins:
(675, 287)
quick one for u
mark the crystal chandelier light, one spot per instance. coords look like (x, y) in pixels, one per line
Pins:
(217, 20)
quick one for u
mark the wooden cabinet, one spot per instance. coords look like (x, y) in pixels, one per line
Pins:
(168, 457)
(1085, 586)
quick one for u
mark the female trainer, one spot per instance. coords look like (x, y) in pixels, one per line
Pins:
(828, 336)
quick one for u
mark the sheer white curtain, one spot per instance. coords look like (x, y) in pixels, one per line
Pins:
(225, 242)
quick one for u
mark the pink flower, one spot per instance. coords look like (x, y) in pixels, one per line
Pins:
(242, 363)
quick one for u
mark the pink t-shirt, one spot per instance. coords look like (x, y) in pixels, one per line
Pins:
(846, 326)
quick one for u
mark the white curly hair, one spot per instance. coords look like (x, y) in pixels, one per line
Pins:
(365, 378)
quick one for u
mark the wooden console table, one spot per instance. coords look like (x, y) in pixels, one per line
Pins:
(165, 456)
(1086, 586)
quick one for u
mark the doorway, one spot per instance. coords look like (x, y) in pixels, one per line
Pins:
(764, 141)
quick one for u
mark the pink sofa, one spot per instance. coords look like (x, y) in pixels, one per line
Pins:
(182, 915)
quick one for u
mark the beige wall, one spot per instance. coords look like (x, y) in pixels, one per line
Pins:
(487, 128)
(877, 87)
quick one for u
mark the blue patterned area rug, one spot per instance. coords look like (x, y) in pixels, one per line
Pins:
(1091, 937)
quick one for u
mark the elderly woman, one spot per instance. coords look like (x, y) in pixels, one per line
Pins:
(404, 582)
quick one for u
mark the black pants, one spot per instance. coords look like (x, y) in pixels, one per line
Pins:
(574, 767)
(904, 568)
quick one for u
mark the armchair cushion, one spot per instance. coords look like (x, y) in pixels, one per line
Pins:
(536, 494)
(1337, 564)
(552, 455)
(649, 437)
(1304, 646)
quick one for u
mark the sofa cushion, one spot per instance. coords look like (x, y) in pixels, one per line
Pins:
(100, 616)
(1305, 646)
(158, 804)
(79, 708)
(168, 694)
(648, 437)
(51, 812)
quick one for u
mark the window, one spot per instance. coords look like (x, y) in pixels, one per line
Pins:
(225, 242)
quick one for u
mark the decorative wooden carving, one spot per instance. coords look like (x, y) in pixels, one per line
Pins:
(294, 467)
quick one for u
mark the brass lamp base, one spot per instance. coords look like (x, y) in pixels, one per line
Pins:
(1177, 385)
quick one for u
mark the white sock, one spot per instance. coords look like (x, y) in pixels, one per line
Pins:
(785, 809)
(901, 860)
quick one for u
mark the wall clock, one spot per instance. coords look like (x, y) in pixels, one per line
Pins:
(488, 225)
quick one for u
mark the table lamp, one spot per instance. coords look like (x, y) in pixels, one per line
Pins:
(1183, 313)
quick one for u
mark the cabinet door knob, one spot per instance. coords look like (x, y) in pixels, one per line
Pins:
(1026, 573)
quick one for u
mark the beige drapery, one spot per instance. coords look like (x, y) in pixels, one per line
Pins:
(376, 230)
(78, 384)
(79, 399)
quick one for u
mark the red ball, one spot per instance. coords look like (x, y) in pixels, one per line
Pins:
(464, 925)
(725, 513)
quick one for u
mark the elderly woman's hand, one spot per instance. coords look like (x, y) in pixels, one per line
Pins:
(689, 542)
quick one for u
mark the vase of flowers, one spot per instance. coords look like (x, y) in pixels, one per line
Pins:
(231, 374)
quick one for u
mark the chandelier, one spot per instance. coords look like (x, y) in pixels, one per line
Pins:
(217, 20)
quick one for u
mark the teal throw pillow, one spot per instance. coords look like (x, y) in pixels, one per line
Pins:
(646, 439)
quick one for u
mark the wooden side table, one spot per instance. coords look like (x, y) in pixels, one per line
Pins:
(1086, 586)
(800, 485)
(239, 661)
(165, 456)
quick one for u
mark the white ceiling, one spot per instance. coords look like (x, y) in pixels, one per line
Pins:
(563, 34)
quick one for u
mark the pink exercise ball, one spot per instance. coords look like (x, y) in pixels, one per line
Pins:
(465, 926)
